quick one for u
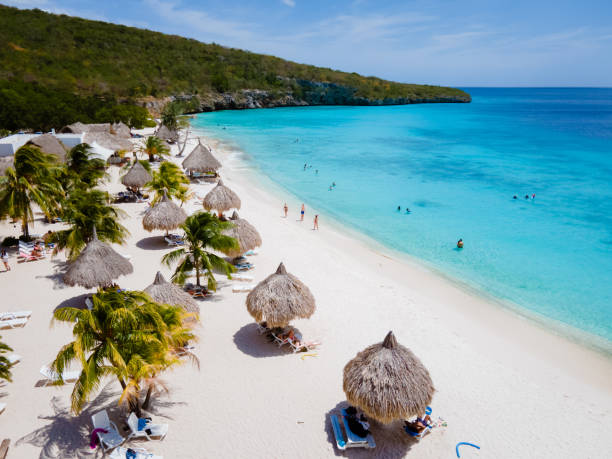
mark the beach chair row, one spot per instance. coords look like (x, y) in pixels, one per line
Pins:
(14, 319)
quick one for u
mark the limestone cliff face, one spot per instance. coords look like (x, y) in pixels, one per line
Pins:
(307, 93)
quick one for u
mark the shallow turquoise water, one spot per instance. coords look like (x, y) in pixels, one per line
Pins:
(457, 167)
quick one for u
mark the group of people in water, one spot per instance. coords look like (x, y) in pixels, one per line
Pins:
(526, 196)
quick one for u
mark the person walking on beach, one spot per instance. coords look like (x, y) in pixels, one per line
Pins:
(286, 209)
(316, 222)
(302, 213)
(4, 257)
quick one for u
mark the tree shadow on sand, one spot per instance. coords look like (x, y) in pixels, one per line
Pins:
(249, 341)
(57, 276)
(153, 243)
(67, 435)
(391, 440)
(74, 302)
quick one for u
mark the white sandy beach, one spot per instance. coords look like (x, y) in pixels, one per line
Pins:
(503, 383)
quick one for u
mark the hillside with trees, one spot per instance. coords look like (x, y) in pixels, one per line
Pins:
(55, 69)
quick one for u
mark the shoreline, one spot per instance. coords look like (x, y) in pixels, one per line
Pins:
(523, 384)
(588, 351)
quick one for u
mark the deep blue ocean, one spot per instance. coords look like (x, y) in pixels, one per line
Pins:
(457, 167)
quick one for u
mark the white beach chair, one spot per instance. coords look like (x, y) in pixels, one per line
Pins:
(12, 323)
(127, 256)
(15, 315)
(121, 453)
(242, 288)
(112, 438)
(154, 430)
(242, 277)
(52, 376)
(172, 242)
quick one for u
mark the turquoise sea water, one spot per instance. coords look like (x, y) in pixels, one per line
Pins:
(457, 167)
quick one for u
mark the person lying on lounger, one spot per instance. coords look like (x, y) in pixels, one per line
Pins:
(418, 425)
(358, 423)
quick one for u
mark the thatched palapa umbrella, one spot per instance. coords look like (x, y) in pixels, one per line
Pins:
(136, 177)
(50, 144)
(163, 132)
(280, 298)
(164, 215)
(201, 160)
(388, 382)
(221, 199)
(165, 292)
(247, 236)
(97, 265)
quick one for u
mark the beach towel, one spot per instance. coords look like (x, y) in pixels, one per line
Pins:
(94, 441)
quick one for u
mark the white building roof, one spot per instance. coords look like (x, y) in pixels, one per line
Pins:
(9, 145)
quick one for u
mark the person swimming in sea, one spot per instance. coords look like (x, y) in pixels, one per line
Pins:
(460, 244)
(515, 197)
(526, 196)
(305, 166)
(407, 210)
(398, 207)
(533, 196)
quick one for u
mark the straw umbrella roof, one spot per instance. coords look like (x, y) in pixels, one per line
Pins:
(388, 382)
(201, 160)
(121, 129)
(221, 198)
(165, 292)
(49, 144)
(137, 176)
(164, 215)
(81, 128)
(280, 298)
(164, 133)
(108, 140)
(97, 265)
(247, 236)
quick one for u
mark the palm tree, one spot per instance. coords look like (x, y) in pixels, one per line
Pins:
(5, 365)
(32, 180)
(154, 146)
(170, 179)
(84, 210)
(202, 231)
(125, 335)
(82, 168)
(184, 194)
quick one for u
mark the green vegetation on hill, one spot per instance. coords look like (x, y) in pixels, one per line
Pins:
(92, 59)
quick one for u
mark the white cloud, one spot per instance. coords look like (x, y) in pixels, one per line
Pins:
(290, 3)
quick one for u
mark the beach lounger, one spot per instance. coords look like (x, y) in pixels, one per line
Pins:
(127, 256)
(112, 438)
(417, 435)
(121, 453)
(250, 253)
(172, 242)
(24, 256)
(262, 329)
(52, 377)
(242, 277)
(138, 429)
(338, 435)
(15, 315)
(353, 440)
(13, 323)
(242, 288)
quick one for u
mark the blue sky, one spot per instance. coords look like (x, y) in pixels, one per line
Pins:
(449, 42)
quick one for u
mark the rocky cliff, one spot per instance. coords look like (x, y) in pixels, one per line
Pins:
(305, 93)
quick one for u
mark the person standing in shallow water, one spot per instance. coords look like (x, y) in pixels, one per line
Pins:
(302, 213)
(286, 209)
(316, 223)
(460, 244)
